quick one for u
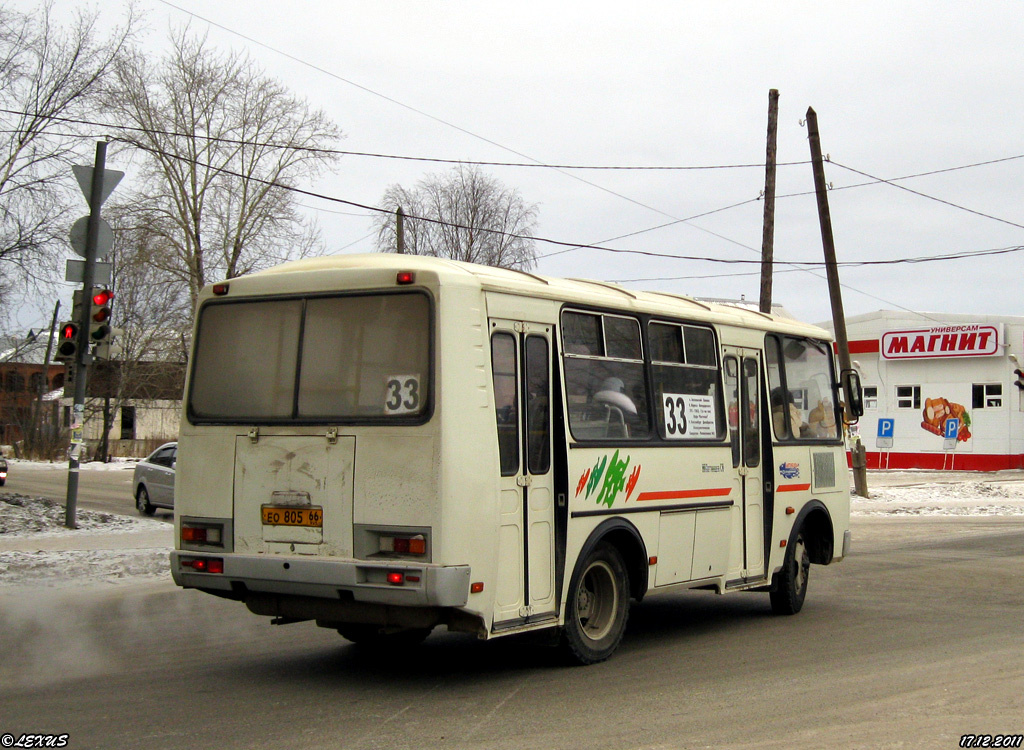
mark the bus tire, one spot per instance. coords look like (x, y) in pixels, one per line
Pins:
(372, 636)
(598, 606)
(790, 584)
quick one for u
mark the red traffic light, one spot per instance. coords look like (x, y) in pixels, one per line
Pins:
(101, 299)
(67, 347)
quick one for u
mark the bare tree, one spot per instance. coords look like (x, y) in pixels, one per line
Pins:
(48, 77)
(463, 214)
(222, 142)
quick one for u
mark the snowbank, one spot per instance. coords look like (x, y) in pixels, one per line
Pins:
(36, 548)
(967, 498)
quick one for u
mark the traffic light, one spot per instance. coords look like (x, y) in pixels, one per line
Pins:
(111, 348)
(99, 314)
(67, 345)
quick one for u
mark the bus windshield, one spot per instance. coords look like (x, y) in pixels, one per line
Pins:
(312, 359)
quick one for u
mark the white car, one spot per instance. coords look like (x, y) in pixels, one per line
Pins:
(154, 480)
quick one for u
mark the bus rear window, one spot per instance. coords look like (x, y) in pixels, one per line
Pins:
(319, 359)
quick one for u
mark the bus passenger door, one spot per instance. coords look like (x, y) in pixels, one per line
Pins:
(521, 367)
(743, 394)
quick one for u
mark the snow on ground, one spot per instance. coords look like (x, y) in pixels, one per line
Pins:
(927, 497)
(115, 464)
(36, 548)
(39, 517)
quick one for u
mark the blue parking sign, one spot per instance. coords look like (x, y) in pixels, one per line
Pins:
(886, 427)
(952, 428)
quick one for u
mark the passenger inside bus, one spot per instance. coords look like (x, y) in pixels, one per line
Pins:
(779, 401)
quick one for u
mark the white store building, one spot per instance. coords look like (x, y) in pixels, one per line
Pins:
(941, 391)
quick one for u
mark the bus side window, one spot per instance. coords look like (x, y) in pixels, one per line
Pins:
(684, 377)
(800, 382)
(506, 398)
(538, 405)
(732, 398)
(605, 381)
(751, 414)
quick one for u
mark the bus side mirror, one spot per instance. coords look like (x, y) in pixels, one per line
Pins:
(853, 394)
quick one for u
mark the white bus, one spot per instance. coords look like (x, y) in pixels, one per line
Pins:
(387, 443)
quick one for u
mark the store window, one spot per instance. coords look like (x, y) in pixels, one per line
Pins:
(987, 395)
(908, 397)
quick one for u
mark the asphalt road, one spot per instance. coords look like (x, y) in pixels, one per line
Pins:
(107, 490)
(913, 641)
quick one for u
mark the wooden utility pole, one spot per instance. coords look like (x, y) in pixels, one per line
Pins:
(835, 294)
(400, 222)
(768, 236)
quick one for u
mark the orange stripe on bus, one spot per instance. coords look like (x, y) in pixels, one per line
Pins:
(684, 494)
(793, 487)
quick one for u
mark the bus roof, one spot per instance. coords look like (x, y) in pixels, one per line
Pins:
(573, 291)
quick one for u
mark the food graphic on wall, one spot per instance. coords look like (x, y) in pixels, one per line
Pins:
(938, 410)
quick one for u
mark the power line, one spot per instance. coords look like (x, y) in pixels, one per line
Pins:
(929, 197)
(269, 144)
(400, 157)
(650, 229)
(573, 245)
(446, 123)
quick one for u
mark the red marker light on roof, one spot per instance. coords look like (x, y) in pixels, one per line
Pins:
(405, 277)
(221, 289)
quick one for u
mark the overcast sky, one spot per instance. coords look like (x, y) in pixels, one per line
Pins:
(900, 88)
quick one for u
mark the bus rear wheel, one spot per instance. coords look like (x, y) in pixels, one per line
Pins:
(790, 587)
(598, 606)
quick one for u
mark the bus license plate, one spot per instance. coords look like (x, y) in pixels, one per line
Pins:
(281, 516)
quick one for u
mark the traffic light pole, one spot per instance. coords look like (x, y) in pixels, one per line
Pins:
(82, 357)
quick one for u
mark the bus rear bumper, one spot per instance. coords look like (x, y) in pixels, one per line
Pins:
(394, 582)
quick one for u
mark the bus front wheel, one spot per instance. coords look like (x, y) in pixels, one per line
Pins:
(598, 606)
(790, 587)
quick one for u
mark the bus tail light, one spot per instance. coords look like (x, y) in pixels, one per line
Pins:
(204, 564)
(203, 534)
(404, 545)
(396, 579)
